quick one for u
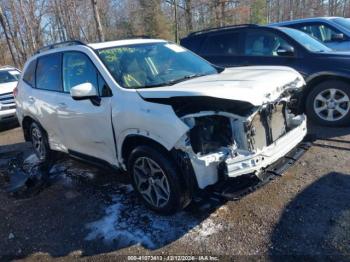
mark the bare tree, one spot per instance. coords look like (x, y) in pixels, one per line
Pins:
(99, 29)
(188, 15)
(6, 33)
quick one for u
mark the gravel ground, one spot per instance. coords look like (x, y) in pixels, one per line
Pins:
(93, 214)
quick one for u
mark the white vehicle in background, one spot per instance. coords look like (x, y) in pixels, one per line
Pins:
(8, 81)
(176, 123)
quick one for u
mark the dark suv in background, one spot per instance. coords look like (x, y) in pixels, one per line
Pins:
(326, 99)
(334, 32)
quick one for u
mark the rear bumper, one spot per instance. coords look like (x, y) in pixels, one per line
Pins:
(8, 115)
(256, 163)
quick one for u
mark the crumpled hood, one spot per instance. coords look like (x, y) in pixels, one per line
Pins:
(255, 84)
(7, 87)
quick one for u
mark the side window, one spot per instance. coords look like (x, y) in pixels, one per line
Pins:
(263, 43)
(221, 44)
(48, 72)
(322, 32)
(29, 74)
(78, 69)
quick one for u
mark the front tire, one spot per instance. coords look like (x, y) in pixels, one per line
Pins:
(155, 179)
(40, 142)
(328, 103)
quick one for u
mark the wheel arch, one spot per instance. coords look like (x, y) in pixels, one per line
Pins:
(26, 122)
(180, 158)
(319, 78)
(131, 141)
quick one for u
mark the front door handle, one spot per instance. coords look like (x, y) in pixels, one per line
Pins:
(62, 105)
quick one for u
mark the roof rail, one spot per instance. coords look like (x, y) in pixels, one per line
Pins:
(218, 28)
(60, 44)
(7, 66)
(139, 36)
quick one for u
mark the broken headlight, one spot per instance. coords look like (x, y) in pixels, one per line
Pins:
(210, 133)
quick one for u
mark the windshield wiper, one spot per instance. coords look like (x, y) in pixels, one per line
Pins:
(174, 81)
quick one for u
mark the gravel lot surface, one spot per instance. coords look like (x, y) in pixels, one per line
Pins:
(91, 213)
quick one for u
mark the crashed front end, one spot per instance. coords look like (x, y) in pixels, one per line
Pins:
(232, 138)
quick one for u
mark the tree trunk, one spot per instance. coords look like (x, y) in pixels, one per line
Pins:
(176, 22)
(188, 15)
(100, 34)
(8, 41)
(28, 27)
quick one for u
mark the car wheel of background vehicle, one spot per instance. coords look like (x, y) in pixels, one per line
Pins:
(329, 103)
(40, 142)
(155, 179)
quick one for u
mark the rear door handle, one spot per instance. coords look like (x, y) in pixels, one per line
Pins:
(62, 105)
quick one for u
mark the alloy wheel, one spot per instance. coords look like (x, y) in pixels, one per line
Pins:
(151, 182)
(38, 143)
(332, 104)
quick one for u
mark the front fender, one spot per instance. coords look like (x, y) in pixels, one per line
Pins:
(153, 121)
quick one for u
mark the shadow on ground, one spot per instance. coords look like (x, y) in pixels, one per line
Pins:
(317, 221)
(323, 132)
(8, 125)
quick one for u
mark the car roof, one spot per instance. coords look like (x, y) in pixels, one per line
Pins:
(124, 42)
(224, 28)
(313, 19)
(65, 46)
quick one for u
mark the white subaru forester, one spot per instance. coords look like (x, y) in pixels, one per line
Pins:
(175, 122)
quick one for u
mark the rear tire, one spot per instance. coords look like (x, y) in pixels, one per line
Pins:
(40, 142)
(156, 181)
(328, 103)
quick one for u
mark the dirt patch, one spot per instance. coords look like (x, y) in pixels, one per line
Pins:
(94, 213)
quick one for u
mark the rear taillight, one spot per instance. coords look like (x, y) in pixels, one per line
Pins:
(15, 91)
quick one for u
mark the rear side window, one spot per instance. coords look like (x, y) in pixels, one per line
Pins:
(221, 44)
(193, 43)
(29, 74)
(48, 72)
(322, 32)
(262, 43)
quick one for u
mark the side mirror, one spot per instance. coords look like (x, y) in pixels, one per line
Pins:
(85, 91)
(285, 51)
(337, 37)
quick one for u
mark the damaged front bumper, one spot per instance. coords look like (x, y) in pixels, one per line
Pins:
(214, 167)
(241, 164)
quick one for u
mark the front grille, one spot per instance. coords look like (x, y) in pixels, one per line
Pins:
(8, 107)
(267, 126)
(7, 101)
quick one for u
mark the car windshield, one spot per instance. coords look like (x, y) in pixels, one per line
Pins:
(307, 41)
(153, 65)
(9, 76)
(343, 22)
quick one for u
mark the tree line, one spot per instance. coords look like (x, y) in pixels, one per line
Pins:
(26, 25)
